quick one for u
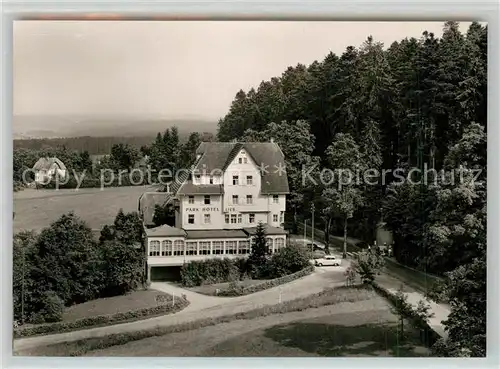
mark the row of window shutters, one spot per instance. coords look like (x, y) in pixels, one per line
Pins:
(180, 248)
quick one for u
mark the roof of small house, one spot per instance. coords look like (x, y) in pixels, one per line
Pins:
(191, 189)
(216, 156)
(45, 163)
(147, 203)
(216, 233)
(269, 230)
(165, 231)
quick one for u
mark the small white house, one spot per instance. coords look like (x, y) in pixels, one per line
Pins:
(47, 169)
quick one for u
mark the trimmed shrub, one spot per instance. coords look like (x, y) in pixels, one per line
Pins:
(53, 307)
(210, 271)
(166, 306)
(287, 260)
(236, 290)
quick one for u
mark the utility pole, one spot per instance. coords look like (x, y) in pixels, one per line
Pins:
(305, 233)
(22, 288)
(312, 229)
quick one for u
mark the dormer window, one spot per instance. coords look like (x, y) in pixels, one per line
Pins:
(211, 180)
(240, 160)
(197, 178)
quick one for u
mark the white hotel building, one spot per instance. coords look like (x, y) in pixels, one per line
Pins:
(232, 187)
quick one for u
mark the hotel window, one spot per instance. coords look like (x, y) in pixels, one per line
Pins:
(218, 247)
(244, 247)
(240, 218)
(279, 244)
(249, 200)
(226, 217)
(191, 200)
(191, 218)
(240, 160)
(245, 160)
(178, 247)
(206, 218)
(251, 218)
(166, 248)
(231, 247)
(275, 217)
(207, 199)
(249, 180)
(233, 218)
(191, 248)
(211, 180)
(235, 180)
(282, 217)
(235, 199)
(197, 178)
(154, 248)
(275, 199)
(269, 245)
(204, 248)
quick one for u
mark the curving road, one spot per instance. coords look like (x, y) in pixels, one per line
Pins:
(202, 306)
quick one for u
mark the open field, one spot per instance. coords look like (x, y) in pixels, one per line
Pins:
(135, 300)
(362, 328)
(37, 209)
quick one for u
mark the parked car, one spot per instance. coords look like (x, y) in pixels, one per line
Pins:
(328, 260)
(315, 246)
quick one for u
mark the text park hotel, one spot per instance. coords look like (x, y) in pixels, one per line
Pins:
(232, 187)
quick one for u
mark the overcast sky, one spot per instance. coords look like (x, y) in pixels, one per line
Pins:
(170, 69)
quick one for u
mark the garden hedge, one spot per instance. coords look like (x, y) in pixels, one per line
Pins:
(431, 336)
(101, 320)
(241, 291)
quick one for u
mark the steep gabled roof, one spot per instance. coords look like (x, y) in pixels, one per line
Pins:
(216, 156)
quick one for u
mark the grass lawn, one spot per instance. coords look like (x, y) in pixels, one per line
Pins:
(362, 328)
(135, 300)
(37, 209)
(210, 289)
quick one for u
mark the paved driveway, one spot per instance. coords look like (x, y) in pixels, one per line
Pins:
(204, 306)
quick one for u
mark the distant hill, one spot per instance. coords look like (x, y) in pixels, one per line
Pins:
(28, 126)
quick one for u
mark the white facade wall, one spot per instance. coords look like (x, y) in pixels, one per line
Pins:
(198, 209)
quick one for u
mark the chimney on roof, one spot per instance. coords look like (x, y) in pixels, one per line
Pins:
(272, 140)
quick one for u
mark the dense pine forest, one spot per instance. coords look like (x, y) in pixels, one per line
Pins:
(417, 104)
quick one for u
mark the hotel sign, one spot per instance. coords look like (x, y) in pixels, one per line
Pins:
(204, 209)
